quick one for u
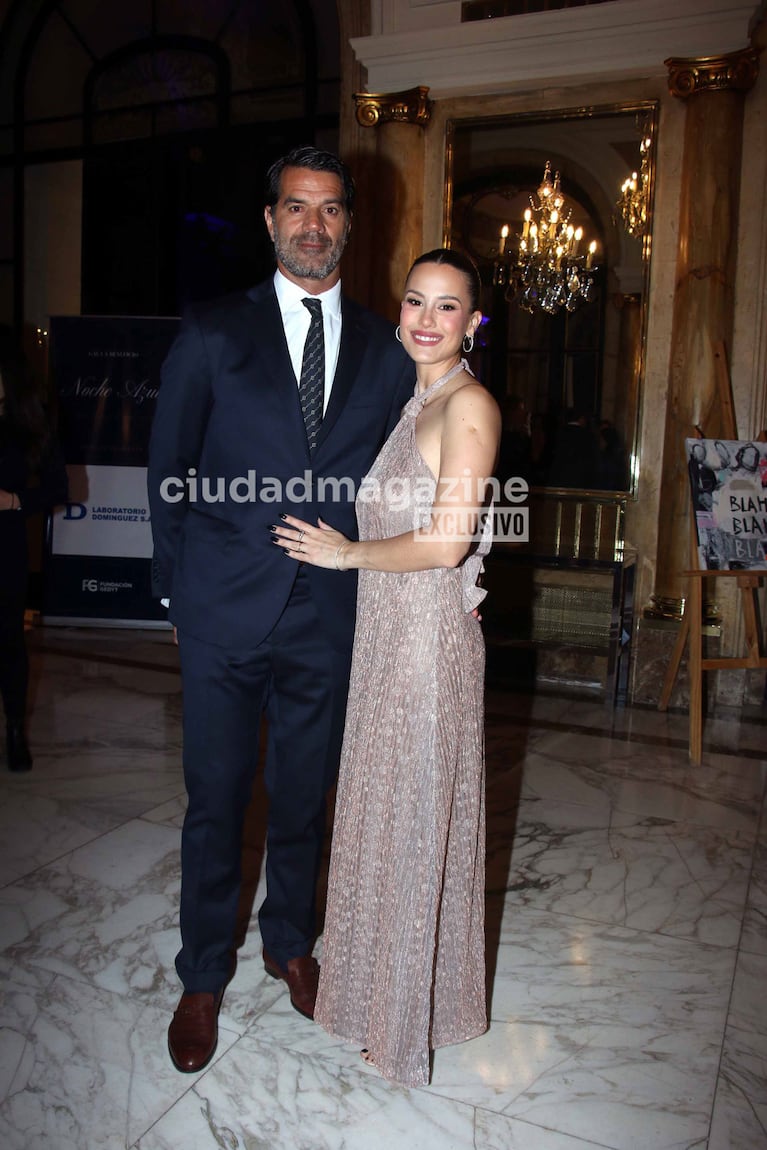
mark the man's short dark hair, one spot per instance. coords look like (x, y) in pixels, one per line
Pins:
(315, 160)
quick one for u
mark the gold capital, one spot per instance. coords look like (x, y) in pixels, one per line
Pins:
(411, 107)
(735, 72)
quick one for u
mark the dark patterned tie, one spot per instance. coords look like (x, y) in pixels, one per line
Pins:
(311, 388)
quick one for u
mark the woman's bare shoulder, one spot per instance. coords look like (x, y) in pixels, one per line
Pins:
(473, 400)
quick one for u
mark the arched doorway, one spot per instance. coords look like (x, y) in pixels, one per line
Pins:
(146, 129)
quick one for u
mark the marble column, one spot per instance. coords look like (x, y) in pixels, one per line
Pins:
(628, 366)
(395, 190)
(713, 89)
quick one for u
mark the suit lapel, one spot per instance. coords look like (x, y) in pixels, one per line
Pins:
(267, 336)
(350, 355)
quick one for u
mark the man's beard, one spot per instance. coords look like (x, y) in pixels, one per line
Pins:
(313, 267)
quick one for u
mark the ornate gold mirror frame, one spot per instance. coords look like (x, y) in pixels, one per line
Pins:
(557, 362)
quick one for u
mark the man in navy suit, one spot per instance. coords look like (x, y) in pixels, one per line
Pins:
(234, 445)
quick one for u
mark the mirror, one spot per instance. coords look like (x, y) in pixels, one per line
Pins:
(562, 343)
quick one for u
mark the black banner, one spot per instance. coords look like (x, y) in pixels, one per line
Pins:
(106, 373)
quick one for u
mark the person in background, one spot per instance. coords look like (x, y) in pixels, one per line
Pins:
(612, 461)
(515, 453)
(33, 479)
(574, 460)
(403, 967)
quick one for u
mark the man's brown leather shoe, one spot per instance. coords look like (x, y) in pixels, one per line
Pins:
(193, 1032)
(302, 976)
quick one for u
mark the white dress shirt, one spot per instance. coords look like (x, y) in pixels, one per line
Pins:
(296, 320)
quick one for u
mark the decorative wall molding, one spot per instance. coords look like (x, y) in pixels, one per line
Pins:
(411, 107)
(627, 39)
(736, 72)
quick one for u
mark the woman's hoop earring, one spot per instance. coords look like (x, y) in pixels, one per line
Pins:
(397, 335)
(470, 337)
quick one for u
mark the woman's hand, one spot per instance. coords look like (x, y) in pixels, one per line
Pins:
(322, 546)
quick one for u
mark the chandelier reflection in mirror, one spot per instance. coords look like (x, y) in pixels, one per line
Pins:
(635, 192)
(552, 266)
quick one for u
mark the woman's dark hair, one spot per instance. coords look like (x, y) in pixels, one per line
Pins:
(23, 408)
(461, 263)
(316, 161)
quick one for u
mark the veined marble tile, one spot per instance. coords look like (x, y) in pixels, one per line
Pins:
(566, 971)
(66, 679)
(741, 775)
(643, 1013)
(95, 914)
(103, 723)
(261, 1095)
(748, 1011)
(486, 1072)
(635, 1019)
(597, 772)
(614, 1086)
(603, 1035)
(81, 1068)
(171, 813)
(648, 723)
(643, 725)
(126, 706)
(524, 1072)
(740, 1111)
(23, 978)
(497, 1132)
(652, 874)
(119, 784)
(107, 914)
(35, 829)
(738, 1121)
(603, 1093)
(754, 937)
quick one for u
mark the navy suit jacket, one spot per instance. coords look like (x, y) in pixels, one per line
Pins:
(228, 455)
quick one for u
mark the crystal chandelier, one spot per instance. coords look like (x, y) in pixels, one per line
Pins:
(635, 193)
(550, 268)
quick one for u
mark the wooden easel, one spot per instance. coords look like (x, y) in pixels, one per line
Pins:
(747, 582)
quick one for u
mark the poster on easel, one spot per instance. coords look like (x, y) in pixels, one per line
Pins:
(728, 484)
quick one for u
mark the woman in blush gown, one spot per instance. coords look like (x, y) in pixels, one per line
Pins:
(403, 959)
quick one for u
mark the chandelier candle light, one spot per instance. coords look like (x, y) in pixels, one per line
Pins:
(635, 192)
(551, 270)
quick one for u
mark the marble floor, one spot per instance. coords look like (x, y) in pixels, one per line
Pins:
(627, 940)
